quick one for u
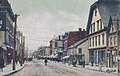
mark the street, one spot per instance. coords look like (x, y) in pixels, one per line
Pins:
(37, 68)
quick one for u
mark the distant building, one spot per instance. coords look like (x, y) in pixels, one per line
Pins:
(56, 46)
(71, 38)
(79, 50)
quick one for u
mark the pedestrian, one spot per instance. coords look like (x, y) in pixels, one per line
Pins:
(1, 64)
(83, 63)
(92, 63)
(45, 61)
(74, 62)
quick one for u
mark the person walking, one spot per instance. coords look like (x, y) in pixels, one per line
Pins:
(45, 61)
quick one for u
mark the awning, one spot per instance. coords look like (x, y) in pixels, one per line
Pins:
(55, 56)
(66, 57)
(4, 47)
(60, 51)
(51, 56)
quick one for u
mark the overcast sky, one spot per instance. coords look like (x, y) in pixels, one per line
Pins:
(41, 20)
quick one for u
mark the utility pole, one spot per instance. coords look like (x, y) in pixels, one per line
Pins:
(118, 53)
(14, 47)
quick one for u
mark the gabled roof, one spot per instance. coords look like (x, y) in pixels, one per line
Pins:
(106, 9)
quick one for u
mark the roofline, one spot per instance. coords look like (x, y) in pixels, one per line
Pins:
(92, 7)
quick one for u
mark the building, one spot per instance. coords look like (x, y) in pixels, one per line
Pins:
(79, 50)
(6, 31)
(56, 47)
(72, 37)
(97, 30)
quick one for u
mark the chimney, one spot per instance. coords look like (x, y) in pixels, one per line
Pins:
(80, 29)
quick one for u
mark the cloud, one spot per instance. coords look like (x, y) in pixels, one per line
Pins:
(40, 20)
(41, 26)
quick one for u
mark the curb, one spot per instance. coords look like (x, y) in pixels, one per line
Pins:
(14, 71)
(102, 71)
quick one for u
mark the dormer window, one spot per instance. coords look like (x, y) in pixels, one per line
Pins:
(98, 25)
(101, 24)
(95, 12)
(112, 28)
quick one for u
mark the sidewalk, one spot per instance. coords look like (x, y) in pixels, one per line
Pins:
(101, 69)
(7, 70)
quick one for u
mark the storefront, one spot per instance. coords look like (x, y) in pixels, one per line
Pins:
(97, 56)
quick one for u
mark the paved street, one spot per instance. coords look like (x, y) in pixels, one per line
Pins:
(37, 68)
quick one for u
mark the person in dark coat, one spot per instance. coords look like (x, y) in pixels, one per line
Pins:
(45, 61)
(1, 63)
(83, 63)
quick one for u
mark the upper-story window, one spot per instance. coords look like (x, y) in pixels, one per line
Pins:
(95, 12)
(93, 40)
(80, 51)
(110, 40)
(98, 25)
(103, 41)
(93, 27)
(99, 40)
(56, 44)
(112, 28)
(90, 42)
(114, 40)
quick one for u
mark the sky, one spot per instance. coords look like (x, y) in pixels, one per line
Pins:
(42, 20)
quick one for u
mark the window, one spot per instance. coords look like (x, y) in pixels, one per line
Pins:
(80, 51)
(112, 28)
(90, 42)
(93, 27)
(95, 12)
(98, 25)
(99, 40)
(56, 44)
(114, 40)
(1, 22)
(93, 40)
(110, 40)
(103, 39)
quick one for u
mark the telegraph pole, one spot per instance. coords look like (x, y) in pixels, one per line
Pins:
(118, 53)
(14, 47)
